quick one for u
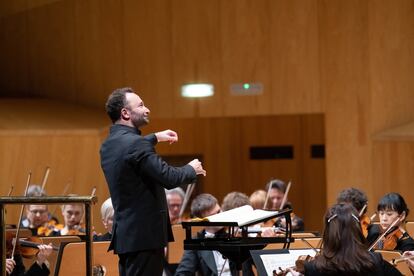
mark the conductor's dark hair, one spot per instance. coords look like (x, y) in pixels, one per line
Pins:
(393, 202)
(116, 101)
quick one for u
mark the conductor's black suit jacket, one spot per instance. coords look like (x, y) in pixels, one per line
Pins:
(136, 177)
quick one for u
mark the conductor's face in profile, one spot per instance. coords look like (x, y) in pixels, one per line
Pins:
(135, 111)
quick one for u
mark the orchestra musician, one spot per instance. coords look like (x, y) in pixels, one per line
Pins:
(391, 207)
(234, 200)
(175, 199)
(37, 216)
(277, 189)
(344, 249)
(206, 262)
(15, 266)
(359, 200)
(72, 215)
(258, 199)
(136, 176)
(107, 215)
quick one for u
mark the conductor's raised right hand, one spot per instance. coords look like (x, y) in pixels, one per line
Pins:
(196, 164)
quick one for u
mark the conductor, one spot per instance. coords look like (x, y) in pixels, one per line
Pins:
(136, 178)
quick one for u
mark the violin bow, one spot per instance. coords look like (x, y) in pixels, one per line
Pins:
(93, 193)
(10, 190)
(45, 177)
(385, 233)
(21, 215)
(373, 216)
(362, 210)
(402, 259)
(267, 195)
(310, 245)
(285, 195)
(65, 191)
(188, 192)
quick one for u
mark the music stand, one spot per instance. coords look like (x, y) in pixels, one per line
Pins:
(235, 248)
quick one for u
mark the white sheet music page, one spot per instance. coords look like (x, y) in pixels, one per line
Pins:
(275, 261)
(243, 215)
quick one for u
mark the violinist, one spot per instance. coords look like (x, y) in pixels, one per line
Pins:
(107, 215)
(15, 266)
(391, 207)
(258, 199)
(277, 190)
(359, 200)
(175, 199)
(73, 215)
(234, 200)
(344, 248)
(37, 216)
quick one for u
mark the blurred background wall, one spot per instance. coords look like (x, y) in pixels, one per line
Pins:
(335, 73)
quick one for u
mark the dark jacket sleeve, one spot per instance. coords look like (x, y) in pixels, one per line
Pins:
(149, 163)
(189, 263)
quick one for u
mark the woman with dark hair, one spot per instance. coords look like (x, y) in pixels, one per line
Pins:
(391, 209)
(344, 249)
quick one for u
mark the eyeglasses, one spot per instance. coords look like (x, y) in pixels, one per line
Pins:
(174, 205)
(40, 212)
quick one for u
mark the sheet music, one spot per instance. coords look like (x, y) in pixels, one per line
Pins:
(274, 261)
(242, 215)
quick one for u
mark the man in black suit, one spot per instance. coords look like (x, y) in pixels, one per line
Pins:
(136, 177)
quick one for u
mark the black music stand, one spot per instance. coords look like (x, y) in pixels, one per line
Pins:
(237, 249)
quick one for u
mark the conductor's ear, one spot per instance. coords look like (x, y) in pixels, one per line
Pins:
(125, 114)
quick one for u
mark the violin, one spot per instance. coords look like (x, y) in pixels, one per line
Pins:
(79, 229)
(389, 242)
(389, 238)
(49, 228)
(26, 247)
(365, 221)
(299, 266)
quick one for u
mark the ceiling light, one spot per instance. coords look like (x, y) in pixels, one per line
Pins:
(197, 90)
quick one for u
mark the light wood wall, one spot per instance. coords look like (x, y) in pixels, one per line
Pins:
(350, 60)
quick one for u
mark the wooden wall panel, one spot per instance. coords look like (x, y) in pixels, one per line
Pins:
(147, 53)
(351, 60)
(392, 63)
(98, 41)
(345, 86)
(50, 48)
(85, 49)
(245, 54)
(195, 52)
(394, 171)
(294, 56)
(13, 32)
